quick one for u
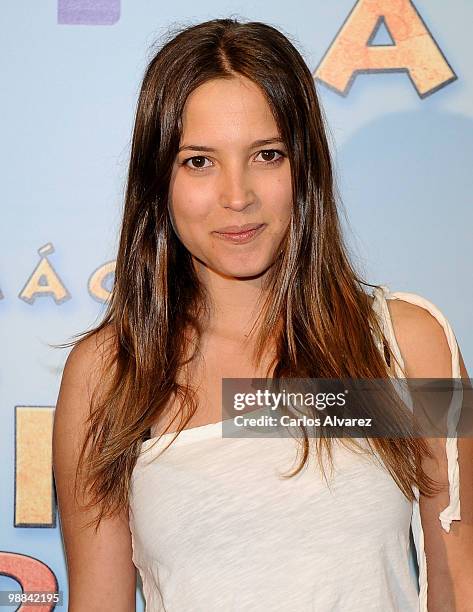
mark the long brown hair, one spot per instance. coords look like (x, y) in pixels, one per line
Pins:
(317, 309)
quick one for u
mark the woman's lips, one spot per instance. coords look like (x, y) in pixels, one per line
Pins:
(241, 237)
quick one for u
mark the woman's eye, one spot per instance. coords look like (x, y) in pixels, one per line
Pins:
(199, 158)
(271, 153)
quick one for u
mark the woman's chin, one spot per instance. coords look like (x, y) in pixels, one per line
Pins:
(235, 269)
(236, 266)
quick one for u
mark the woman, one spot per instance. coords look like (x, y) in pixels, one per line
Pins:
(231, 264)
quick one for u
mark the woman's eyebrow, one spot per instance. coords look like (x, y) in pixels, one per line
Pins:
(256, 143)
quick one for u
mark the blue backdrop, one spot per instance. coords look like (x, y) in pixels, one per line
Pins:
(395, 79)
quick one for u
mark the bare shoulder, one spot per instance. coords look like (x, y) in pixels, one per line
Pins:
(86, 361)
(83, 374)
(421, 339)
(94, 347)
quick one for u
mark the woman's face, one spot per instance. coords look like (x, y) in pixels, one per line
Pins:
(223, 177)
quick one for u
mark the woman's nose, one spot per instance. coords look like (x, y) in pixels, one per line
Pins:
(236, 190)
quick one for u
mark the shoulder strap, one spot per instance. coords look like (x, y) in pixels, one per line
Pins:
(382, 293)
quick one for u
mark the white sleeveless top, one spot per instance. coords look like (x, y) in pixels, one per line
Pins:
(216, 529)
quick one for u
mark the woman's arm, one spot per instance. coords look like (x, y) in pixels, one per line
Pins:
(449, 556)
(101, 573)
